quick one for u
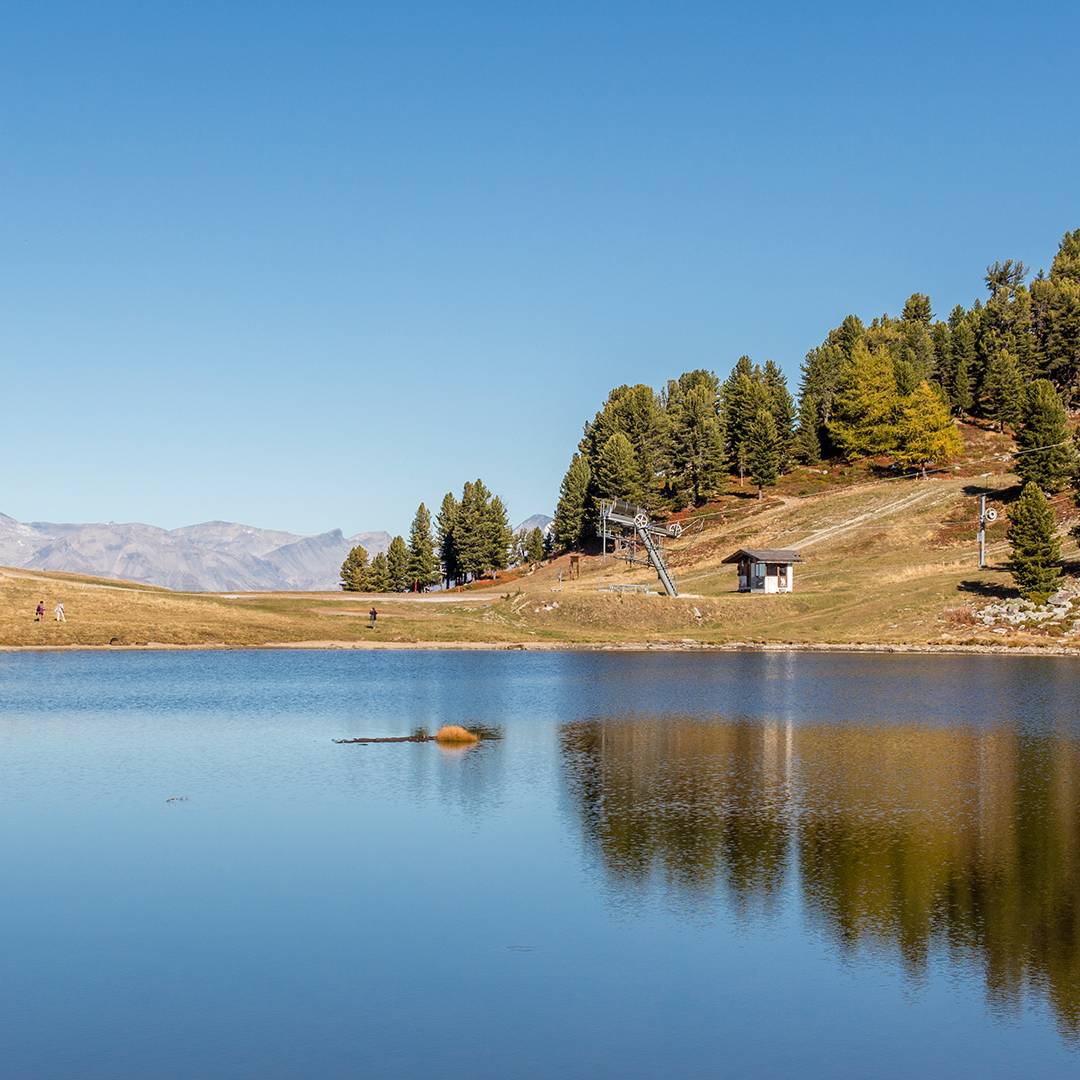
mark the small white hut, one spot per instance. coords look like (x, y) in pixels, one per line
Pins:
(765, 570)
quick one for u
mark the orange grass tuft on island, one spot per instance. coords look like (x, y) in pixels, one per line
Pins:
(452, 733)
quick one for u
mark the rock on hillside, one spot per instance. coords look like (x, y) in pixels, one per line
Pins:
(216, 556)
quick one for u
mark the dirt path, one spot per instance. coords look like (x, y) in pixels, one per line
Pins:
(906, 502)
(487, 596)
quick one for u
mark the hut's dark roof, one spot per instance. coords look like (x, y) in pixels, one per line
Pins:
(787, 555)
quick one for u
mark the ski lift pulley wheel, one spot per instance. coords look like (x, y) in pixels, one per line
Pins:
(675, 529)
(991, 514)
(641, 520)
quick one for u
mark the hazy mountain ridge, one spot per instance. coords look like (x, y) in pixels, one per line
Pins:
(542, 522)
(18, 541)
(214, 556)
(240, 538)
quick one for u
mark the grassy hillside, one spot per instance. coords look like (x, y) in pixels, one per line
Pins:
(889, 560)
(101, 612)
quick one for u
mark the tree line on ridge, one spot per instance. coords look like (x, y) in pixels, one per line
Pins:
(470, 537)
(891, 388)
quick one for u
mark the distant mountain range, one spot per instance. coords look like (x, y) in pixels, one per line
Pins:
(537, 521)
(217, 556)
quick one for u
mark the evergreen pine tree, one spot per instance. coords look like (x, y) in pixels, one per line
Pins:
(906, 375)
(568, 531)
(636, 412)
(378, 574)
(471, 536)
(806, 446)
(736, 397)
(821, 373)
(534, 546)
(1003, 390)
(763, 450)
(741, 396)
(1036, 552)
(782, 406)
(397, 561)
(423, 570)
(845, 336)
(962, 396)
(480, 535)
(925, 431)
(1006, 324)
(1056, 317)
(962, 349)
(692, 380)
(1046, 455)
(499, 536)
(1066, 264)
(617, 475)
(977, 365)
(1057, 331)
(864, 407)
(917, 309)
(697, 444)
(918, 345)
(444, 530)
(952, 368)
(1005, 276)
(941, 336)
(354, 570)
(1024, 343)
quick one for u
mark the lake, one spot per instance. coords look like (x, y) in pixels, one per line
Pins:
(668, 865)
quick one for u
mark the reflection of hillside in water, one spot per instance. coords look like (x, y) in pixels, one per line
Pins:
(915, 838)
(695, 802)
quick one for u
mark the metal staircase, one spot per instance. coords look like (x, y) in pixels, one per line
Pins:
(656, 557)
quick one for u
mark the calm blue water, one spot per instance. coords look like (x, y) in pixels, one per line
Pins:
(668, 866)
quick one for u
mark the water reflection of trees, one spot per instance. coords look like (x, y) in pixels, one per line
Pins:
(691, 801)
(910, 838)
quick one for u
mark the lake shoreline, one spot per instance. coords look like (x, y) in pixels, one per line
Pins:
(568, 646)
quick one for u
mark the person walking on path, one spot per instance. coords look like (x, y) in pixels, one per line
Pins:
(39, 612)
(58, 611)
(373, 614)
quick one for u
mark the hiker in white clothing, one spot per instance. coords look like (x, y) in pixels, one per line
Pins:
(58, 611)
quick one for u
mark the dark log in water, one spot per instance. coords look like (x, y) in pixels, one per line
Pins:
(448, 735)
(395, 738)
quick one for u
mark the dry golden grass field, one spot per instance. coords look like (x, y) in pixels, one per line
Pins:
(887, 561)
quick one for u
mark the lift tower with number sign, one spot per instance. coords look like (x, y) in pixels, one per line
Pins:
(987, 515)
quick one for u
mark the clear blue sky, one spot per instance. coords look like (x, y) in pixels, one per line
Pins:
(303, 265)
